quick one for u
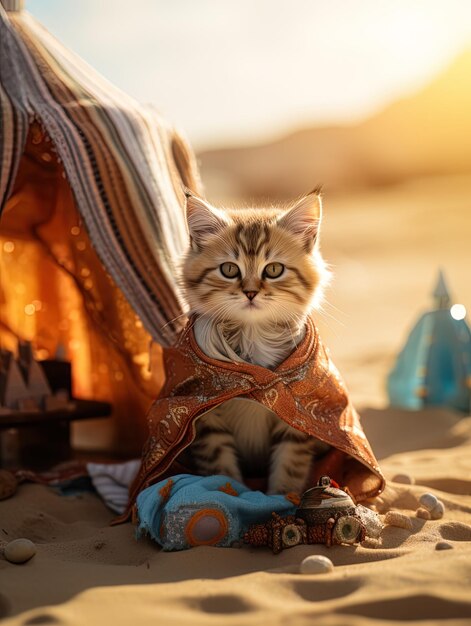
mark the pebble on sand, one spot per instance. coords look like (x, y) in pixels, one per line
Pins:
(404, 479)
(19, 550)
(316, 564)
(438, 510)
(8, 484)
(443, 545)
(428, 501)
(394, 518)
(423, 513)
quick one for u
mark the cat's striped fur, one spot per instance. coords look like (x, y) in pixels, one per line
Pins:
(252, 276)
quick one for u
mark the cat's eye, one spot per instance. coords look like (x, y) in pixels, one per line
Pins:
(274, 270)
(229, 270)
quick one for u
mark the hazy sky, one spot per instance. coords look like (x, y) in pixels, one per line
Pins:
(241, 70)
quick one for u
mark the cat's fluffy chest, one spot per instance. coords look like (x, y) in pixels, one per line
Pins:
(253, 428)
(265, 346)
(251, 424)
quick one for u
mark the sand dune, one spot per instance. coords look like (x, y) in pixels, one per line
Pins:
(385, 246)
(86, 572)
(420, 135)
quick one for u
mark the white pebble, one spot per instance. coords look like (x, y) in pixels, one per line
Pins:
(405, 479)
(438, 511)
(423, 513)
(316, 564)
(428, 501)
(19, 550)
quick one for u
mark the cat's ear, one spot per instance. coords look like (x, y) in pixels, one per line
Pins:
(303, 219)
(203, 219)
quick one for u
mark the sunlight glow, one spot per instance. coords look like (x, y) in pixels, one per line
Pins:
(458, 311)
(259, 69)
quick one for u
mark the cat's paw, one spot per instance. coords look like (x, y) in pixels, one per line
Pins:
(232, 473)
(283, 488)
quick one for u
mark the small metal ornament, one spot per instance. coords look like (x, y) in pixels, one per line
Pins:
(325, 515)
(322, 502)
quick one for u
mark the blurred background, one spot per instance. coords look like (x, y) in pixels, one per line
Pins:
(371, 99)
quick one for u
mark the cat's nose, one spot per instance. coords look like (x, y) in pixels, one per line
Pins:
(250, 294)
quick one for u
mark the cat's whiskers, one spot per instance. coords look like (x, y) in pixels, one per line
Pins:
(185, 314)
(321, 310)
(326, 317)
(296, 319)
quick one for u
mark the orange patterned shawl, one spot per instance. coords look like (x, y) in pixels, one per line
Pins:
(305, 391)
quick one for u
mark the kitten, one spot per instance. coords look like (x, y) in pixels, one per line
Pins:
(252, 276)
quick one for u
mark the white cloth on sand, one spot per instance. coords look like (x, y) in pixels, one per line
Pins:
(112, 480)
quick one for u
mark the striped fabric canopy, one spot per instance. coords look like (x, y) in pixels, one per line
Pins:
(91, 226)
(120, 159)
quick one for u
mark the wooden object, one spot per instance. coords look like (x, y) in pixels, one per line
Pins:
(39, 439)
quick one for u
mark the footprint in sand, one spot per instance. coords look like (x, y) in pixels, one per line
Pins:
(455, 531)
(44, 619)
(402, 608)
(4, 606)
(221, 604)
(317, 591)
(449, 485)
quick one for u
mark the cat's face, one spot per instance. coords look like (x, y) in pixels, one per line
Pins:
(252, 266)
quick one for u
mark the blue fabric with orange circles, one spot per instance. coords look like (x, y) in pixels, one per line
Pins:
(187, 510)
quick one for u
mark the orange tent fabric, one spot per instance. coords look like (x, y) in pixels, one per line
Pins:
(91, 226)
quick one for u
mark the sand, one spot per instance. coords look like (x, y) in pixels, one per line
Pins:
(86, 572)
(385, 246)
